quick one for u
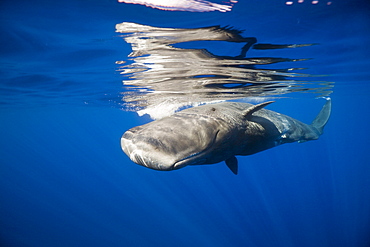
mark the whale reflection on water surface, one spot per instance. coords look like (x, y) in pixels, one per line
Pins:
(163, 77)
(185, 5)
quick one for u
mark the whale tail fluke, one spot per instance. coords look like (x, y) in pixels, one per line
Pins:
(322, 118)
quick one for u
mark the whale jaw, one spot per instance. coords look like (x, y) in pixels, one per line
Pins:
(145, 155)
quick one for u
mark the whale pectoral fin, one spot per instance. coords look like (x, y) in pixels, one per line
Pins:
(232, 163)
(247, 113)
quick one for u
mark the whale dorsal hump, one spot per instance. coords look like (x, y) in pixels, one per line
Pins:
(232, 163)
(247, 113)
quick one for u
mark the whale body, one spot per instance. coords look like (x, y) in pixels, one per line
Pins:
(214, 133)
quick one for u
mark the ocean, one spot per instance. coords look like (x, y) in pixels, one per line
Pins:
(72, 84)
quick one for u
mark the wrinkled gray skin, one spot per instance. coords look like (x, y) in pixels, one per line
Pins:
(213, 133)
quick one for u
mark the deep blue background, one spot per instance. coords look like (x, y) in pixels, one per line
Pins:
(65, 181)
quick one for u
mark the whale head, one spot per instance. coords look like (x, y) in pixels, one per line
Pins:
(171, 143)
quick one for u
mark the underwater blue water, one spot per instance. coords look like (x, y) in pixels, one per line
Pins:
(64, 180)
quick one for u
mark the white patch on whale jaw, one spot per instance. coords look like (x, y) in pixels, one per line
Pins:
(150, 159)
(136, 156)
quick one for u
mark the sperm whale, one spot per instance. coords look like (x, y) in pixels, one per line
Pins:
(214, 133)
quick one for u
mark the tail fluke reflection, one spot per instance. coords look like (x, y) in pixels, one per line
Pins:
(163, 78)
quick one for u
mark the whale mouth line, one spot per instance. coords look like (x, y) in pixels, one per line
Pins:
(184, 162)
(181, 163)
